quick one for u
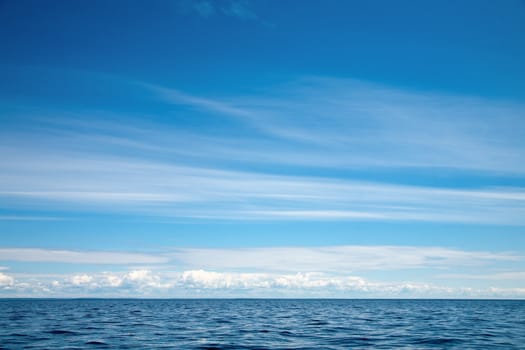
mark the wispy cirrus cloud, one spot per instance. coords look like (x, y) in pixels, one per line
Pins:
(512, 275)
(315, 122)
(77, 257)
(329, 259)
(201, 165)
(28, 218)
(336, 259)
(367, 125)
(238, 9)
(152, 188)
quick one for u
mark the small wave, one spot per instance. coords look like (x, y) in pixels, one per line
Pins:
(317, 323)
(217, 347)
(337, 324)
(96, 342)
(287, 333)
(61, 331)
(438, 341)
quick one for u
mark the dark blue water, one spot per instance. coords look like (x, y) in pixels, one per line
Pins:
(261, 324)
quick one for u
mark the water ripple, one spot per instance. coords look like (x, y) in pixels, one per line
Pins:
(261, 324)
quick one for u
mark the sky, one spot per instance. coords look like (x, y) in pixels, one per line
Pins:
(274, 149)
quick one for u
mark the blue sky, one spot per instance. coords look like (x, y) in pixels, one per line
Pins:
(262, 149)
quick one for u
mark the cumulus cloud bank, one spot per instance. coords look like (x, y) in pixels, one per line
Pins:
(195, 283)
(6, 280)
(332, 271)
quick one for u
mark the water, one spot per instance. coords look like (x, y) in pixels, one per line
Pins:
(261, 324)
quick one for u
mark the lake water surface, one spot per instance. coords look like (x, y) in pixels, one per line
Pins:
(261, 324)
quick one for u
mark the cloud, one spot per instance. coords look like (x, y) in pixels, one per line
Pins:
(201, 8)
(348, 123)
(336, 259)
(136, 280)
(100, 182)
(77, 257)
(79, 280)
(254, 166)
(216, 280)
(509, 275)
(174, 96)
(28, 218)
(328, 259)
(330, 271)
(6, 280)
(228, 280)
(238, 9)
(203, 283)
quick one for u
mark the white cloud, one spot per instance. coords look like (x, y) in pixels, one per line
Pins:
(271, 259)
(342, 259)
(216, 280)
(79, 280)
(113, 280)
(168, 190)
(232, 8)
(145, 278)
(28, 218)
(203, 283)
(338, 123)
(77, 257)
(299, 281)
(6, 280)
(315, 123)
(135, 281)
(507, 292)
(203, 8)
(239, 9)
(509, 275)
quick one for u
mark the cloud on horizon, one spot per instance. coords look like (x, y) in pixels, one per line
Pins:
(309, 150)
(205, 283)
(332, 271)
(328, 259)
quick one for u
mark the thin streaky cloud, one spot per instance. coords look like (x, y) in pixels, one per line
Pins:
(509, 275)
(296, 259)
(78, 257)
(207, 154)
(154, 188)
(335, 123)
(238, 9)
(334, 259)
(353, 118)
(30, 218)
